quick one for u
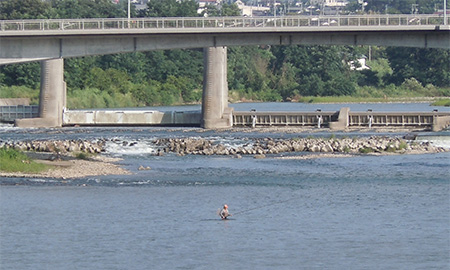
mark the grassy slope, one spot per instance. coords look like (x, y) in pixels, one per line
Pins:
(12, 160)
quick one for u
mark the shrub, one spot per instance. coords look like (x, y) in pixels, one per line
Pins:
(366, 150)
(82, 155)
(442, 102)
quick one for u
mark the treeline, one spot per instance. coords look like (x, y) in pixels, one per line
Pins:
(265, 73)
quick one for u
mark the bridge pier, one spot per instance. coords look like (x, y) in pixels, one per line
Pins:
(215, 110)
(52, 99)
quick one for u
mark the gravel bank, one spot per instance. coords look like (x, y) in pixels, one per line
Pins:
(68, 167)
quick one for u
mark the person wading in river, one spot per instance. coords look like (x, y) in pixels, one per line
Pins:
(224, 212)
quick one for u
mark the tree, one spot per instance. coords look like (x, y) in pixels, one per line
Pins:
(248, 68)
(320, 70)
(428, 66)
(23, 9)
(171, 8)
(86, 9)
(25, 74)
(77, 71)
(230, 10)
(222, 10)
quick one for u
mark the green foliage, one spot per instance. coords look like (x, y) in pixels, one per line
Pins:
(94, 98)
(12, 160)
(403, 145)
(20, 92)
(366, 150)
(315, 70)
(248, 71)
(147, 93)
(77, 71)
(85, 9)
(26, 74)
(171, 8)
(23, 9)
(428, 66)
(442, 102)
(38, 9)
(230, 10)
(83, 155)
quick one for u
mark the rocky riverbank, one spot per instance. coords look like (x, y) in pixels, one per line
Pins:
(57, 146)
(82, 158)
(68, 167)
(265, 146)
(67, 158)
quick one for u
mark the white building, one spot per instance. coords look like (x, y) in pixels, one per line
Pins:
(361, 64)
(335, 3)
(250, 10)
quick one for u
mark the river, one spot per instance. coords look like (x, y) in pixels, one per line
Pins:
(361, 212)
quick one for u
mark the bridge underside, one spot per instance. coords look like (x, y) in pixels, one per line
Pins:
(29, 48)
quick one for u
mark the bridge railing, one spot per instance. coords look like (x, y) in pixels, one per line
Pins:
(219, 22)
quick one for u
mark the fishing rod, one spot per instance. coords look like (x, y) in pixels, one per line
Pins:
(259, 207)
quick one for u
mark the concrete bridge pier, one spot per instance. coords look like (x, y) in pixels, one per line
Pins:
(52, 99)
(215, 110)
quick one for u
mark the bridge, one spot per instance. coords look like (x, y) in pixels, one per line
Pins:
(50, 41)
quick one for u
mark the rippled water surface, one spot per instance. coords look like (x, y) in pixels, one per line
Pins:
(362, 212)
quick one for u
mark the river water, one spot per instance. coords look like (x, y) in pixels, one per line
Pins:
(362, 212)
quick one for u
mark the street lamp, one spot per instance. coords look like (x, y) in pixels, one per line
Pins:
(445, 12)
(129, 7)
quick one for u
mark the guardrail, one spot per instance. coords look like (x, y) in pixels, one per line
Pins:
(219, 22)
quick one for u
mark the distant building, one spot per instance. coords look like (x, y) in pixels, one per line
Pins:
(202, 4)
(335, 3)
(361, 64)
(252, 10)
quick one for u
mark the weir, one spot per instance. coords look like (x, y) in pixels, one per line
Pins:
(344, 118)
(334, 120)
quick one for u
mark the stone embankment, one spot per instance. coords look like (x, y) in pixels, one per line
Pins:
(59, 154)
(57, 146)
(375, 144)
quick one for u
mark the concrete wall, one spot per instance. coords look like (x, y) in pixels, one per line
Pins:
(138, 117)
